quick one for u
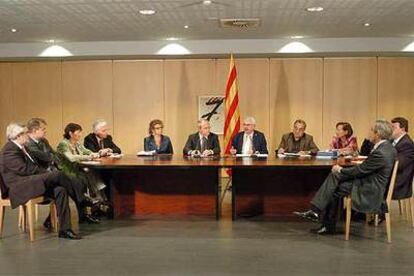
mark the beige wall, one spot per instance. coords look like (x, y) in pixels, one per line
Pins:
(130, 93)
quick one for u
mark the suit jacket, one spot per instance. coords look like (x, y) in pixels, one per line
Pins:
(259, 142)
(42, 152)
(366, 147)
(371, 178)
(193, 143)
(165, 147)
(23, 178)
(306, 143)
(75, 153)
(404, 182)
(91, 142)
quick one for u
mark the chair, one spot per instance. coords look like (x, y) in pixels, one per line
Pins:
(26, 211)
(348, 206)
(406, 207)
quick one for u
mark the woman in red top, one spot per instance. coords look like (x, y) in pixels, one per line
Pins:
(344, 142)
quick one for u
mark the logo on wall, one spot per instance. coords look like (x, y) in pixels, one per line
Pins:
(212, 108)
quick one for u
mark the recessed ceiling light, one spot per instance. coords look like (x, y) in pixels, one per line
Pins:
(147, 12)
(186, 27)
(13, 30)
(296, 36)
(50, 41)
(171, 38)
(207, 2)
(314, 9)
(367, 24)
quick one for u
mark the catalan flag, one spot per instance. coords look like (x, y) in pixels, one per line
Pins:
(232, 122)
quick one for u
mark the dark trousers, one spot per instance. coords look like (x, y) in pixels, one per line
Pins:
(327, 198)
(55, 190)
(60, 188)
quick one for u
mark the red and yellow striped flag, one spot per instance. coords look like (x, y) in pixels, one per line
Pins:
(232, 122)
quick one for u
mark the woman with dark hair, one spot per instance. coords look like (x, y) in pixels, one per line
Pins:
(72, 148)
(344, 141)
(73, 151)
(156, 141)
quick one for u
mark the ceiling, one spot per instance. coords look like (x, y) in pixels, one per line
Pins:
(119, 20)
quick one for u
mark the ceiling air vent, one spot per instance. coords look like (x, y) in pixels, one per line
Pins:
(240, 23)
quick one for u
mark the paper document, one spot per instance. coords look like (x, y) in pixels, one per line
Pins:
(146, 153)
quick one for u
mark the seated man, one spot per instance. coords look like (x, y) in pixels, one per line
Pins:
(250, 140)
(203, 142)
(46, 158)
(366, 147)
(26, 180)
(366, 183)
(405, 152)
(100, 141)
(298, 141)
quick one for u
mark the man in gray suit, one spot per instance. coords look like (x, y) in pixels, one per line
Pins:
(366, 183)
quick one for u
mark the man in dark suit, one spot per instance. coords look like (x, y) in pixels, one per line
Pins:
(46, 158)
(405, 151)
(25, 180)
(203, 142)
(298, 141)
(366, 183)
(250, 140)
(100, 141)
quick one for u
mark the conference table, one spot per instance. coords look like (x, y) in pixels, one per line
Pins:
(180, 185)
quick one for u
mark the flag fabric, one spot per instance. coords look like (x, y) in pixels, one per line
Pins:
(232, 121)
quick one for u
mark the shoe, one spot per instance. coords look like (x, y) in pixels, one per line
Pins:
(323, 230)
(47, 224)
(69, 234)
(311, 215)
(89, 219)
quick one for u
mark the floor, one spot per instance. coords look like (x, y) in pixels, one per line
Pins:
(203, 246)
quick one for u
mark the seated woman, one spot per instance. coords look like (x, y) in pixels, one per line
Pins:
(344, 142)
(74, 151)
(157, 142)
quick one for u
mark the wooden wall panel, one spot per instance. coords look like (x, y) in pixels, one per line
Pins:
(185, 80)
(138, 98)
(6, 100)
(396, 89)
(87, 93)
(253, 80)
(295, 92)
(37, 93)
(275, 91)
(350, 94)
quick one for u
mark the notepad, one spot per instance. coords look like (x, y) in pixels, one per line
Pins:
(146, 153)
(90, 162)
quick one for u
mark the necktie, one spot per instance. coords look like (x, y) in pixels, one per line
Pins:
(251, 143)
(204, 144)
(27, 154)
(101, 144)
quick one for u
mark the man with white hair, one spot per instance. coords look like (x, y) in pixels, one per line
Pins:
(203, 142)
(25, 179)
(366, 183)
(100, 141)
(250, 140)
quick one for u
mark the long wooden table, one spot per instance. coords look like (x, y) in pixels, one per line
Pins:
(178, 185)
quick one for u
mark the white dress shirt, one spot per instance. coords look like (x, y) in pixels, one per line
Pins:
(395, 142)
(247, 143)
(24, 150)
